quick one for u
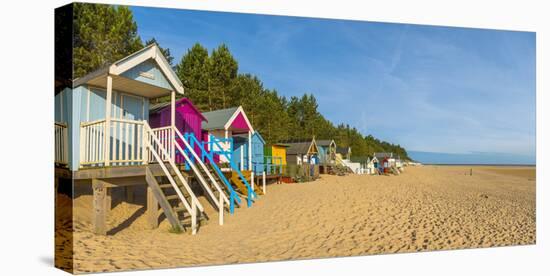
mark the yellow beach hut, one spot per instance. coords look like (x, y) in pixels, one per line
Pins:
(276, 155)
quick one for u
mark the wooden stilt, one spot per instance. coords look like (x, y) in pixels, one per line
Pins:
(220, 202)
(252, 180)
(99, 215)
(56, 180)
(263, 182)
(108, 201)
(193, 217)
(152, 209)
(129, 194)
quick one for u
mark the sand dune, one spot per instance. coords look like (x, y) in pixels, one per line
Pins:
(426, 208)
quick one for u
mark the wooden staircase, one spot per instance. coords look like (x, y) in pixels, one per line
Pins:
(238, 182)
(170, 187)
(216, 176)
(170, 202)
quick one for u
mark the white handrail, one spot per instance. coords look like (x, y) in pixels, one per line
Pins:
(164, 135)
(83, 124)
(125, 140)
(203, 166)
(92, 142)
(171, 162)
(61, 143)
(194, 202)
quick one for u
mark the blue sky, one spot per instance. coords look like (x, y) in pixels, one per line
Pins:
(428, 88)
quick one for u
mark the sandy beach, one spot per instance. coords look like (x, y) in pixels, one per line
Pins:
(426, 208)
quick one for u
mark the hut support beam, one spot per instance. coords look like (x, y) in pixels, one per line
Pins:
(152, 209)
(129, 194)
(99, 215)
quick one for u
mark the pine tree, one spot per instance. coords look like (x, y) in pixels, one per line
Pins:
(193, 71)
(103, 34)
(223, 70)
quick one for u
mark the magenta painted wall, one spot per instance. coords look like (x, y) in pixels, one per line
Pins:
(188, 119)
(240, 123)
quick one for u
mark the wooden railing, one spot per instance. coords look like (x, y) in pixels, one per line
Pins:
(164, 135)
(223, 147)
(160, 153)
(61, 144)
(92, 142)
(126, 143)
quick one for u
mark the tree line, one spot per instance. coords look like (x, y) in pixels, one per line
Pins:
(105, 33)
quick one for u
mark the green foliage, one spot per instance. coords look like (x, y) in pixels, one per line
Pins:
(213, 82)
(102, 34)
(208, 79)
(193, 70)
(223, 71)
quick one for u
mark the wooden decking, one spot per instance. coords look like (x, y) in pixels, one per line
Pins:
(117, 171)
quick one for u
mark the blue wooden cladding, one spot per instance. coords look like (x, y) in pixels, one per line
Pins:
(149, 73)
(240, 153)
(213, 141)
(86, 104)
(258, 161)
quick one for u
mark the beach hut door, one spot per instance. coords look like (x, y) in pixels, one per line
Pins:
(132, 108)
(127, 133)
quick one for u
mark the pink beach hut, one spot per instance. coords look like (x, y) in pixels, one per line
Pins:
(188, 120)
(233, 132)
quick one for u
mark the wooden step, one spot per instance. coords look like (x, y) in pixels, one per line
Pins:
(168, 185)
(258, 190)
(237, 181)
(172, 197)
(179, 209)
(187, 219)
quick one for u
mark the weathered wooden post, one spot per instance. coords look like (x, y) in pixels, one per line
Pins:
(263, 182)
(221, 209)
(193, 217)
(129, 194)
(470, 171)
(99, 215)
(252, 180)
(152, 209)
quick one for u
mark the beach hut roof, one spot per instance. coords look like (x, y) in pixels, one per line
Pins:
(382, 155)
(257, 134)
(118, 68)
(159, 107)
(343, 150)
(302, 147)
(325, 143)
(297, 148)
(223, 118)
(281, 145)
